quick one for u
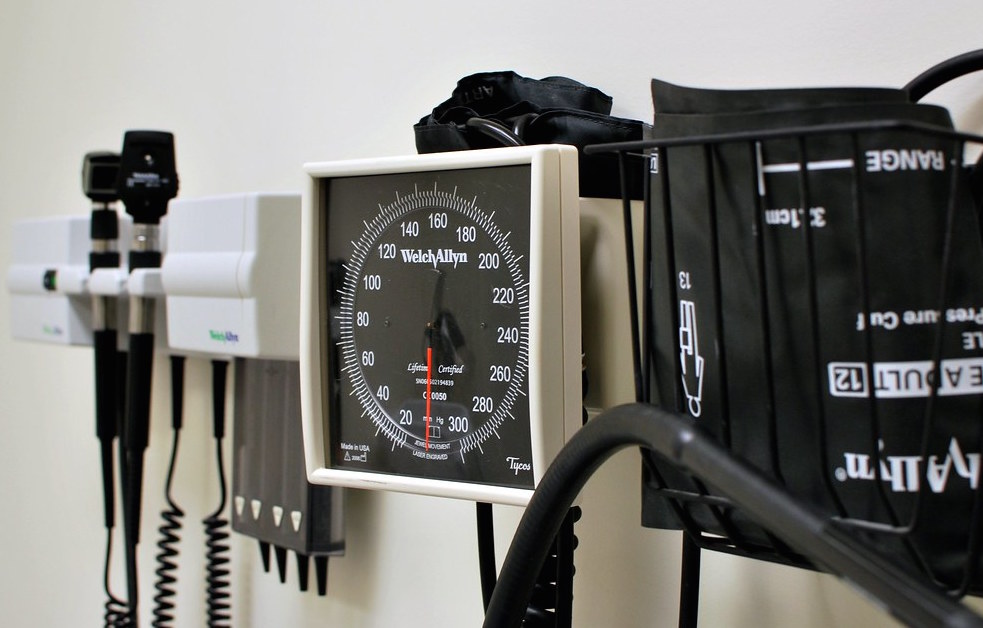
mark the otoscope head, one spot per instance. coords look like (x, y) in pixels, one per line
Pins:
(100, 169)
(148, 176)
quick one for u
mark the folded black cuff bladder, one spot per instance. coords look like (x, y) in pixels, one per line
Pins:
(821, 237)
(552, 110)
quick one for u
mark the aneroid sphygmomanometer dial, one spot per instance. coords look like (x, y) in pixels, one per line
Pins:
(441, 330)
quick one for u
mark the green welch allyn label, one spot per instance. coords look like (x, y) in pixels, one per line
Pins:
(222, 336)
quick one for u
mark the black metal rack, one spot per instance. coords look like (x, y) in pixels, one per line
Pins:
(750, 508)
(827, 544)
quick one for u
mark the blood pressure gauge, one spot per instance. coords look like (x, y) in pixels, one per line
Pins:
(440, 334)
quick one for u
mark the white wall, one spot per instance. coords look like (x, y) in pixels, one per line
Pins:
(254, 89)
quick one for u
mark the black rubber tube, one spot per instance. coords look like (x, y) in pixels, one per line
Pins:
(674, 438)
(689, 584)
(486, 550)
(943, 72)
(495, 130)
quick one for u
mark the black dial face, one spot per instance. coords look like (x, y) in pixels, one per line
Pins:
(428, 325)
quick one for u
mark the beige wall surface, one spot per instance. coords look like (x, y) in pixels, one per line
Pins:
(252, 90)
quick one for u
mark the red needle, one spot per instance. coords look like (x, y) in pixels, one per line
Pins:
(426, 439)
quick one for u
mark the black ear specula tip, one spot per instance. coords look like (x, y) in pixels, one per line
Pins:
(264, 553)
(281, 561)
(321, 572)
(303, 570)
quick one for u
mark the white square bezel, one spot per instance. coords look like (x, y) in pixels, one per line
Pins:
(554, 380)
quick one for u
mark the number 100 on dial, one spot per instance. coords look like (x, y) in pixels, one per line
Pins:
(441, 328)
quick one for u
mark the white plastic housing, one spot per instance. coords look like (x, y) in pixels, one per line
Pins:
(61, 312)
(231, 275)
(555, 325)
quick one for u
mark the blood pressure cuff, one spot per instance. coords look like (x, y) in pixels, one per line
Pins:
(800, 320)
(553, 110)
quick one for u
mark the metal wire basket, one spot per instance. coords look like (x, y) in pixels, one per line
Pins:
(812, 302)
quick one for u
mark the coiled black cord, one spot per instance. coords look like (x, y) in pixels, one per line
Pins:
(216, 526)
(117, 613)
(167, 565)
(217, 579)
(167, 544)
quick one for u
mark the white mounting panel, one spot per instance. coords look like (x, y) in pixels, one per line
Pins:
(48, 279)
(231, 275)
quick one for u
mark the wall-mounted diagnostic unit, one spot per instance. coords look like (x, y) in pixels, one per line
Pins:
(230, 275)
(440, 321)
(47, 280)
(232, 278)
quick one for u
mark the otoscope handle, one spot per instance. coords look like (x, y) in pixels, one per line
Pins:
(138, 382)
(106, 394)
(104, 225)
(104, 341)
